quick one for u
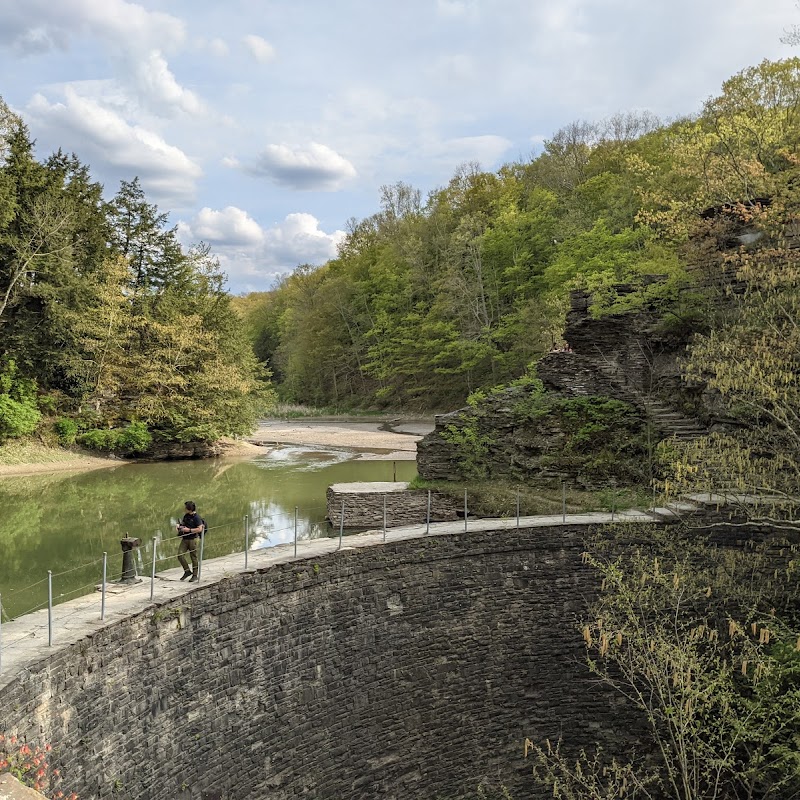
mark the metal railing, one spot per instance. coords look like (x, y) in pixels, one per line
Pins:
(244, 536)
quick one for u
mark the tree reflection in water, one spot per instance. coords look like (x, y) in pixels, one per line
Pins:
(65, 521)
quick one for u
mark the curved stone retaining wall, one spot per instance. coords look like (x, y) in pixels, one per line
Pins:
(409, 670)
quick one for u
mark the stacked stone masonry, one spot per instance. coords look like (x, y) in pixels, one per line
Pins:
(410, 670)
(364, 509)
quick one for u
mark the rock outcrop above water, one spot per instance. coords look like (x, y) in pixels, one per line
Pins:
(171, 451)
(592, 418)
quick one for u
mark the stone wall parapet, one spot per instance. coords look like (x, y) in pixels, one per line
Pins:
(381, 670)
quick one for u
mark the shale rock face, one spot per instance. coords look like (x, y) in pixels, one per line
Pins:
(170, 451)
(592, 418)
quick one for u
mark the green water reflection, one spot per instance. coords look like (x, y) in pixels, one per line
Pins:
(64, 522)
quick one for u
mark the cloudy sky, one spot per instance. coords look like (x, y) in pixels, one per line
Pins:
(262, 126)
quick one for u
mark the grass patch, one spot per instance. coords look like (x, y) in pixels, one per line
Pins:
(297, 411)
(27, 451)
(499, 498)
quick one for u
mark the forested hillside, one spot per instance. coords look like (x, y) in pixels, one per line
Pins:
(109, 331)
(432, 298)
(107, 324)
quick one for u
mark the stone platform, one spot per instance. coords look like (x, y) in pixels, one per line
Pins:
(364, 502)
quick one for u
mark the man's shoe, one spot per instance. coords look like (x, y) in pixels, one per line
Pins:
(186, 575)
(194, 579)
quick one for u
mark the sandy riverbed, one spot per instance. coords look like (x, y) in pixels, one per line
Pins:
(366, 438)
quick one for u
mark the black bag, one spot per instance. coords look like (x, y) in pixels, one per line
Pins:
(205, 527)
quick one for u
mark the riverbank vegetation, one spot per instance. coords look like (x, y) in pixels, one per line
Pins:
(111, 334)
(499, 498)
(703, 644)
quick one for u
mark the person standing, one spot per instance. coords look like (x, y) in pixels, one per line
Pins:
(189, 529)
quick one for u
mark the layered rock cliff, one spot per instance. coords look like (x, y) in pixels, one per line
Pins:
(592, 418)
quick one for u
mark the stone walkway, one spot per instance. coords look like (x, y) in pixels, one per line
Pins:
(25, 640)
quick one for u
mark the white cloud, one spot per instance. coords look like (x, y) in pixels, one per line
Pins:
(37, 25)
(299, 240)
(456, 8)
(254, 257)
(102, 135)
(261, 50)
(156, 84)
(314, 166)
(231, 227)
(134, 37)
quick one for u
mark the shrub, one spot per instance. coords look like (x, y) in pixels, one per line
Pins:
(99, 439)
(17, 418)
(31, 766)
(67, 431)
(135, 438)
(472, 447)
(19, 413)
(196, 433)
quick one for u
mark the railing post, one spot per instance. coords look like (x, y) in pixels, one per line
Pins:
(200, 559)
(394, 470)
(103, 590)
(517, 509)
(428, 515)
(153, 570)
(465, 509)
(49, 608)
(246, 538)
(129, 575)
(384, 518)
(563, 502)
(295, 531)
(341, 527)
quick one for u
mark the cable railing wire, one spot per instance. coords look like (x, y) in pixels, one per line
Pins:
(24, 588)
(39, 607)
(93, 585)
(74, 569)
(303, 532)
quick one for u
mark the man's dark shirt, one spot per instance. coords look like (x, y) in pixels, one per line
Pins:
(191, 520)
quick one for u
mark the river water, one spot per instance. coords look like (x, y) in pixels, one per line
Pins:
(63, 522)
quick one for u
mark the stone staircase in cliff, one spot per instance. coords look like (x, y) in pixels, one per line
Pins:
(674, 423)
(667, 420)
